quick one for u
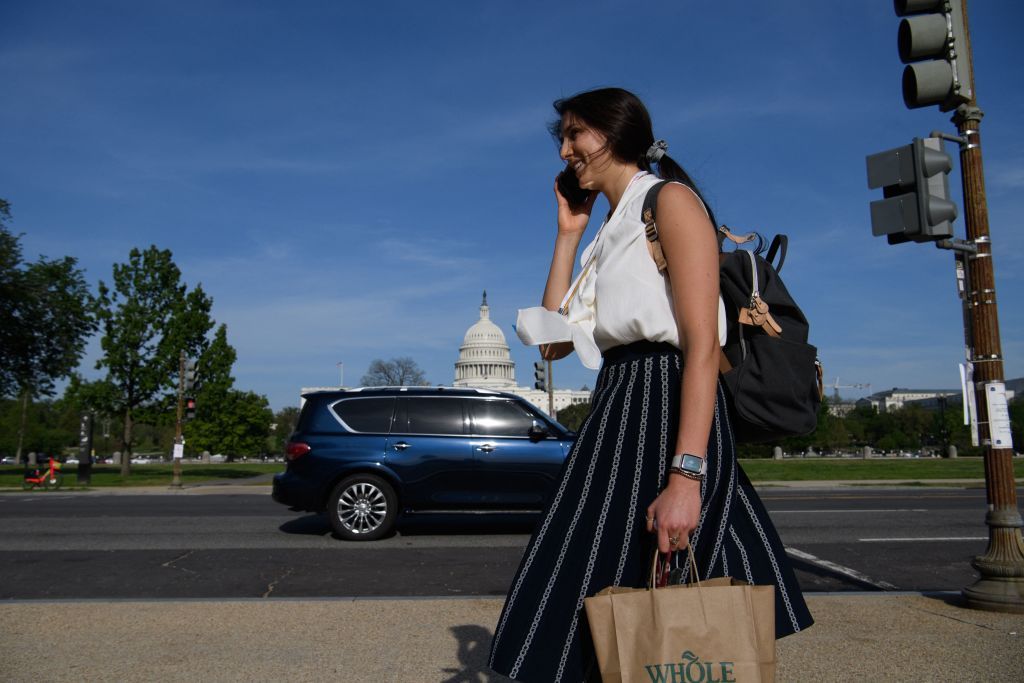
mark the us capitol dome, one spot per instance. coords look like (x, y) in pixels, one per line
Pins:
(485, 363)
(484, 358)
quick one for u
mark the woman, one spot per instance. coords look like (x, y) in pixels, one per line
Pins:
(657, 397)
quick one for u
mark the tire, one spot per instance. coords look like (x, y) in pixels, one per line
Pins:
(362, 507)
(26, 484)
(54, 483)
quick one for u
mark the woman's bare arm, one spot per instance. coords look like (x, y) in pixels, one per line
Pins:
(571, 225)
(691, 250)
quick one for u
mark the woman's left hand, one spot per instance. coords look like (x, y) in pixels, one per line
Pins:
(677, 511)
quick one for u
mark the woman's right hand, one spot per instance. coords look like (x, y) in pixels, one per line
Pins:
(573, 221)
(556, 351)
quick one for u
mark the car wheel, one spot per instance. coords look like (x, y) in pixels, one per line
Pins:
(362, 507)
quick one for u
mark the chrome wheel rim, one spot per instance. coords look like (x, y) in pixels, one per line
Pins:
(362, 508)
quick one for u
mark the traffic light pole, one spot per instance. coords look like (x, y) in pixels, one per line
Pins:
(178, 442)
(1001, 586)
(551, 393)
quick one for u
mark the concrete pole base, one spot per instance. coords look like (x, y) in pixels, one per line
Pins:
(1001, 586)
(996, 594)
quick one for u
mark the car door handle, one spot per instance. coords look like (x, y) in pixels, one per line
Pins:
(486, 448)
(401, 446)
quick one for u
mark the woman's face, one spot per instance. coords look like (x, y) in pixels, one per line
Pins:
(585, 150)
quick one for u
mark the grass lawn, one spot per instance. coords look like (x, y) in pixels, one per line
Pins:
(824, 469)
(149, 475)
(813, 469)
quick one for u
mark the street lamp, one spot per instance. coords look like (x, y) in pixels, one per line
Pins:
(341, 369)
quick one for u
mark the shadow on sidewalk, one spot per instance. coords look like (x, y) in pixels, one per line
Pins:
(474, 646)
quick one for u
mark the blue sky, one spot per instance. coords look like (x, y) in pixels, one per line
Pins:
(344, 179)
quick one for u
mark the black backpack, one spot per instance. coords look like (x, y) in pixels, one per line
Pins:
(772, 376)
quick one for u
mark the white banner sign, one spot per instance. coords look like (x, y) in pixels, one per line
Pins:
(970, 402)
(179, 451)
(998, 415)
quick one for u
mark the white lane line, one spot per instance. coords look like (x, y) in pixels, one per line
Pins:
(826, 510)
(840, 569)
(929, 538)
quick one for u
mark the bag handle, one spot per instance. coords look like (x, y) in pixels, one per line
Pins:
(656, 582)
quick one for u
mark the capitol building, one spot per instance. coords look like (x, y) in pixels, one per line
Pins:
(485, 363)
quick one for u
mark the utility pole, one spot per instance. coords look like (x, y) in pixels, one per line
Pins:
(1001, 586)
(934, 41)
(179, 443)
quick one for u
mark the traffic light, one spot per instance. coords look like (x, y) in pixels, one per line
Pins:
(190, 374)
(915, 185)
(190, 409)
(933, 44)
(540, 374)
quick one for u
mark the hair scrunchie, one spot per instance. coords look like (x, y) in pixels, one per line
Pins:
(656, 151)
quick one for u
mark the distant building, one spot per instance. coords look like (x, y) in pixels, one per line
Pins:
(929, 399)
(486, 363)
(896, 398)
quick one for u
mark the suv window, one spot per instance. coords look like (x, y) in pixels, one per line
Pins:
(501, 418)
(432, 415)
(367, 415)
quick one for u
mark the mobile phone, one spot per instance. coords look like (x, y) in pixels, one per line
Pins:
(569, 186)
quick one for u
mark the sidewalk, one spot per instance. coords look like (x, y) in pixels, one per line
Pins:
(877, 637)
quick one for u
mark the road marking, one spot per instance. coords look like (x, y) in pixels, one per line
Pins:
(968, 496)
(826, 510)
(930, 538)
(840, 569)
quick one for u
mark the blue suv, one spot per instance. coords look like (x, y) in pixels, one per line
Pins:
(363, 456)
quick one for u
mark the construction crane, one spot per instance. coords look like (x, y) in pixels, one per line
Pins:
(836, 386)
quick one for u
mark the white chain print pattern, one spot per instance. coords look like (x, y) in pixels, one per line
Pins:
(572, 527)
(640, 446)
(729, 488)
(599, 531)
(663, 447)
(601, 394)
(743, 555)
(775, 565)
(731, 485)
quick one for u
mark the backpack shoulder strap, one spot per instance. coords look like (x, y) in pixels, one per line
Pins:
(648, 215)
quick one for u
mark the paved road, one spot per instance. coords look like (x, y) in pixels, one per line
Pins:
(70, 545)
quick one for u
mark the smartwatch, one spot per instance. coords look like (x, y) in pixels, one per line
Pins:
(689, 465)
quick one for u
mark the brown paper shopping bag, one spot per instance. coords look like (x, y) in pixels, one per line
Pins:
(715, 631)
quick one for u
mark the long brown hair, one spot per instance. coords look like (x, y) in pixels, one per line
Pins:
(623, 120)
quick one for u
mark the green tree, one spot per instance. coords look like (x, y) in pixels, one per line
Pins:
(285, 421)
(213, 371)
(234, 423)
(397, 372)
(573, 416)
(227, 420)
(46, 316)
(148, 317)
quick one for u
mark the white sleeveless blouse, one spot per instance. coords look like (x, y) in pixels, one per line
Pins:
(619, 296)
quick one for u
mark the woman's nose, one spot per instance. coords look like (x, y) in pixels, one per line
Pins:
(564, 151)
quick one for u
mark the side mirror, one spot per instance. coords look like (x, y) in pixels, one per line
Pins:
(537, 432)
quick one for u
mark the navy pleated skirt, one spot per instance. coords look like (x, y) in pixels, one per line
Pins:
(593, 532)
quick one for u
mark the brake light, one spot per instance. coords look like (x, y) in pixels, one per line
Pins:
(295, 449)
